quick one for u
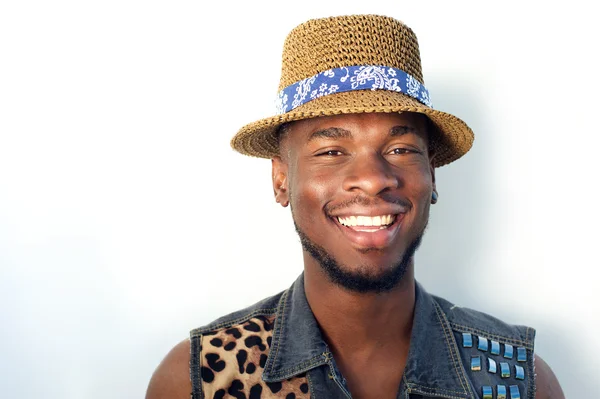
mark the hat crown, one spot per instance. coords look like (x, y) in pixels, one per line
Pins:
(351, 65)
(322, 44)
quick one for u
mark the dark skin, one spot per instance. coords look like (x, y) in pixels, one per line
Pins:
(325, 163)
(368, 333)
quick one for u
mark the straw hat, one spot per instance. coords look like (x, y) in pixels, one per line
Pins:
(353, 64)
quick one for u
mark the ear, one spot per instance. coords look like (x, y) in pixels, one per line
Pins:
(431, 153)
(280, 181)
(434, 195)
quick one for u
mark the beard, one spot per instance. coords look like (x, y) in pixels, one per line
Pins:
(361, 280)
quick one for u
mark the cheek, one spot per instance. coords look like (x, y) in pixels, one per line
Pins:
(419, 176)
(310, 193)
(420, 186)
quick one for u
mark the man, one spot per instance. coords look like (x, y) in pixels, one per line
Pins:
(354, 149)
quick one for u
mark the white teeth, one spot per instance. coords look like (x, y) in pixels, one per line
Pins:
(377, 221)
(364, 221)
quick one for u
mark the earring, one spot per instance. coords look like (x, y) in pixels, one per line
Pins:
(434, 197)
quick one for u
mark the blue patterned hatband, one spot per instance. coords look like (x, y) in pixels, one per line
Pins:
(339, 80)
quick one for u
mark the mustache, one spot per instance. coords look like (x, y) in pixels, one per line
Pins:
(367, 202)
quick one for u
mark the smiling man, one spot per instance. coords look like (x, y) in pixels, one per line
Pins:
(357, 228)
(354, 149)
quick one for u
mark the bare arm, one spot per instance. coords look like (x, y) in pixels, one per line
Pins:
(547, 386)
(171, 380)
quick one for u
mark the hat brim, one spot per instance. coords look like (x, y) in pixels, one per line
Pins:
(451, 140)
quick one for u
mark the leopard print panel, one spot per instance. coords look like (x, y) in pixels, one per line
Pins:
(233, 360)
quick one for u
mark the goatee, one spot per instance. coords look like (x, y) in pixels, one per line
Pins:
(361, 281)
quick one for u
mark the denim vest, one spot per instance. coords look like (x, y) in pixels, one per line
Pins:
(274, 349)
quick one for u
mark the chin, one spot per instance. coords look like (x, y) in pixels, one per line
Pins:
(371, 276)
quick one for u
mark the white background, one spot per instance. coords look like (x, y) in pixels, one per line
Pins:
(126, 219)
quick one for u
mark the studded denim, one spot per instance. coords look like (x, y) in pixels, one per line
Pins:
(454, 352)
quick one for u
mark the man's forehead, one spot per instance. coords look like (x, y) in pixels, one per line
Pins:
(341, 133)
(352, 125)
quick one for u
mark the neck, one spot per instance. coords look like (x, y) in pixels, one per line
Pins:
(361, 322)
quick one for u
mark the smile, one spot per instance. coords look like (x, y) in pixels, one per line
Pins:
(367, 223)
(366, 232)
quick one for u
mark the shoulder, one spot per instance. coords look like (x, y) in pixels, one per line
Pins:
(495, 355)
(171, 378)
(547, 385)
(465, 320)
(469, 321)
(265, 308)
(231, 353)
(182, 370)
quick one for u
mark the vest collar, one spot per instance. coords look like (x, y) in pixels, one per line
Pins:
(297, 345)
(433, 367)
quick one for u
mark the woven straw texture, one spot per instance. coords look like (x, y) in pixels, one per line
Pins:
(321, 44)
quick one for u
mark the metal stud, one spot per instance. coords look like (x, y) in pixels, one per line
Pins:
(482, 344)
(514, 392)
(492, 365)
(475, 363)
(467, 340)
(508, 351)
(504, 370)
(521, 354)
(519, 372)
(501, 391)
(487, 392)
(495, 350)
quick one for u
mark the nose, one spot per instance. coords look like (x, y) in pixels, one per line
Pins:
(371, 174)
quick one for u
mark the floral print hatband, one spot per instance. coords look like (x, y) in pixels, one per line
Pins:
(339, 80)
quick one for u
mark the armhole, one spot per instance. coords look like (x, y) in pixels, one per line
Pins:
(196, 365)
(533, 377)
(533, 387)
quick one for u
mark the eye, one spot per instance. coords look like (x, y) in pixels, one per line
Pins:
(403, 150)
(330, 153)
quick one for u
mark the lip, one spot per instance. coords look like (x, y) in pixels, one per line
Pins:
(377, 239)
(379, 211)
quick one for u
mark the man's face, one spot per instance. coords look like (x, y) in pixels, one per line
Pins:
(360, 188)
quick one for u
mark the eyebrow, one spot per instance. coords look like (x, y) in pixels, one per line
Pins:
(339, 133)
(401, 130)
(331, 133)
